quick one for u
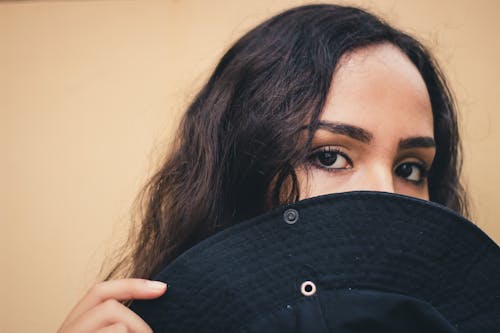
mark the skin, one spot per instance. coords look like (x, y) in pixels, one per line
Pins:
(377, 128)
(376, 134)
(100, 309)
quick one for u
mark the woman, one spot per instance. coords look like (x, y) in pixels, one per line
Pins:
(318, 99)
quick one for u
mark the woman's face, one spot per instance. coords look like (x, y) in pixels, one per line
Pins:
(376, 131)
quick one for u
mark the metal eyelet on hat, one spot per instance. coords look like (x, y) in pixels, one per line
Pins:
(291, 216)
(308, 288)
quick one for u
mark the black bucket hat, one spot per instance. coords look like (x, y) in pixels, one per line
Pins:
(348, 262)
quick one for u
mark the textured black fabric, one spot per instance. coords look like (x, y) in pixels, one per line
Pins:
(380, 262)
(353, 311)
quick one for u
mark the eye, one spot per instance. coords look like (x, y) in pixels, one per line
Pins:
(331, 159)
(413, 172)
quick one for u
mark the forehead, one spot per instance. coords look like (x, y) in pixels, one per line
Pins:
(379, 89)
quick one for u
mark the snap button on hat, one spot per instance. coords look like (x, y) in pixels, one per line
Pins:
(308, 288)
(291, 216)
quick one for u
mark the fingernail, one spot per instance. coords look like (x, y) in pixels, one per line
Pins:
(156, 285)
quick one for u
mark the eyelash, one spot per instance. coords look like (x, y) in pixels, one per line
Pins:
(312, 160)
(423, 169)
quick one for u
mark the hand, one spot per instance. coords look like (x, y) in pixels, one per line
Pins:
(100, 310)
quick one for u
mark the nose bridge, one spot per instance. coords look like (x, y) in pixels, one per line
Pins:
(380, 178)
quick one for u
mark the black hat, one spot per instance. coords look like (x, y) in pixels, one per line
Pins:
(348, 262)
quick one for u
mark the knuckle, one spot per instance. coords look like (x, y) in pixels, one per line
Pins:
(111, 305)
(97, 289)
(138, 283)
(120, 328)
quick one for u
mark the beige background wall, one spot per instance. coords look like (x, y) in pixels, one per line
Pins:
(91, 90)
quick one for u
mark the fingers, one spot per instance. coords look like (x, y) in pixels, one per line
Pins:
(123, 289)
(115, 328)
(111, 315)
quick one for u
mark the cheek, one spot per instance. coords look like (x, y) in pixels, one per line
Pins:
(405, 188)
(313, 183)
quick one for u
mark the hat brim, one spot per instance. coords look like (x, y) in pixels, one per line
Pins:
(348, 241)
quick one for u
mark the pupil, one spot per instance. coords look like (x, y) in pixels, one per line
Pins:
(328, 158)
(405, 170)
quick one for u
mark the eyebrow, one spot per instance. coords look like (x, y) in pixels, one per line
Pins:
(354, 132)
(417, 142)
(364, 136)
